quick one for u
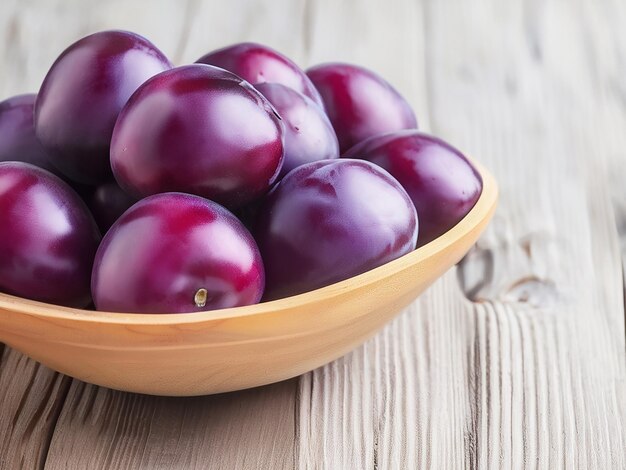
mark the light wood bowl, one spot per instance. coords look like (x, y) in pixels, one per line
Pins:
(237, 348)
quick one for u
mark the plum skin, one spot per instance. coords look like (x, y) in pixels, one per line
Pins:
(82, 95)
(165, 249)
(48, 238)
(107, 203)
(330, 220)
(257, 63)
(201, 130)
(18, 141)
(442, 183)
(359, 102)
(309, 135)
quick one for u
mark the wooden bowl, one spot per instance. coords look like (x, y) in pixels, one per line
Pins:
(231, 349)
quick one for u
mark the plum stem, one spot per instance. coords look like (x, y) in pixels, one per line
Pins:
(200, 297)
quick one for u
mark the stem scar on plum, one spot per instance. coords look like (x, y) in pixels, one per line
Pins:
(200, 297)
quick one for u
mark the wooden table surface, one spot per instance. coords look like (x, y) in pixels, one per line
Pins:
(514, 359)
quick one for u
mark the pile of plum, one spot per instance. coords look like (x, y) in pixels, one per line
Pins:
(217, 184)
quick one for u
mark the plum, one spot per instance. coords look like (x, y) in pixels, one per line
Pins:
(257, 63)
(309, 135)
(107, 203)
(360, 103)
(175, 253)
(201, 130)
(330, 220)
(18, 141)
(442, 183)
(48, 238)
(83, 93)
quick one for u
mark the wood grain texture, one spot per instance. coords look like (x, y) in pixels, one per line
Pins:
(31, 398)
(550, 327)
(530, 371)
(103, 429)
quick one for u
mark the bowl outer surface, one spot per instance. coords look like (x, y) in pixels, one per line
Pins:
(232, 349)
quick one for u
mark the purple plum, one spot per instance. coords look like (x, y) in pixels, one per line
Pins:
(18, 141)
(257, 63)
(48, 238)
(442, 183)
(360, 103)
(83, 93)
(201, 130)
(107, 203)
(309, 135)
(176, 253)
(330, 220)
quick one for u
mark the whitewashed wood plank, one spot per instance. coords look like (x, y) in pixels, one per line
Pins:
(525, 86)
(31, 397)
(38, 31)
(100, 428)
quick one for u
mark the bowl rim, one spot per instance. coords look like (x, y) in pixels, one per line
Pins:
(485, 205)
